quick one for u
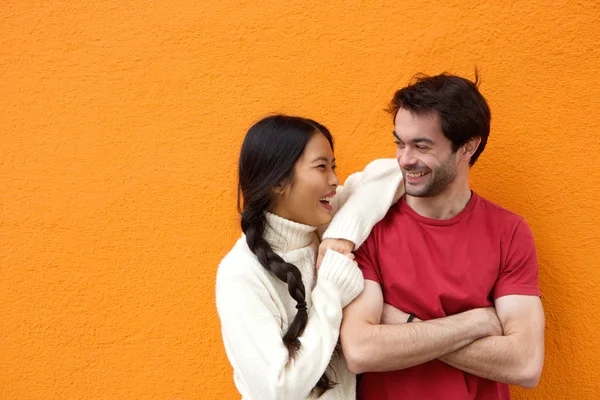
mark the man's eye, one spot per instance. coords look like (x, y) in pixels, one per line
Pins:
(398, 143)
(422, 147)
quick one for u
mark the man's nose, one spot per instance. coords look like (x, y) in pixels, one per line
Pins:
(405, 157)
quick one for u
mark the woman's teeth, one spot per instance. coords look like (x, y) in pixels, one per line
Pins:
(326, 199)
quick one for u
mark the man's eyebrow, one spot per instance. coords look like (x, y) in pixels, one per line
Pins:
(422, 140)
(325, 159)
(416, 140)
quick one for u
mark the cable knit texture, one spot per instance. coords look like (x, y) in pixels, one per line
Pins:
(348, 280)
(255, 307)
(366, 197)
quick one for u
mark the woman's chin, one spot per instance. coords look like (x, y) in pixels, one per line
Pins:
(324, 218)
(320, 218)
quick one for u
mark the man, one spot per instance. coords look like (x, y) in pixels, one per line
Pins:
(451, 306)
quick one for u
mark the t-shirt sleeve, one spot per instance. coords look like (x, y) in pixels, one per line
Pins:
(519, 270)
(366, 258)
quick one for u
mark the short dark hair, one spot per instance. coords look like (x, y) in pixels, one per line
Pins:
(462, 110)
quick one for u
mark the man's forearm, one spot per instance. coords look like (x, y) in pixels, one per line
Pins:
(515, 356)
(498, 358)
(391, 347)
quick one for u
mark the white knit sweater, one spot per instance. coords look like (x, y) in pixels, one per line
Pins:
(255, 307)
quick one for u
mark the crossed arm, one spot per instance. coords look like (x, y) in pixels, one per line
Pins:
(505, 344)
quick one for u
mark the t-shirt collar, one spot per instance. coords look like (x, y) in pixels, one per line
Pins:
(404, 207)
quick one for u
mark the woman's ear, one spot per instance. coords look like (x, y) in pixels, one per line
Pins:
(279, 189)
(282, 187)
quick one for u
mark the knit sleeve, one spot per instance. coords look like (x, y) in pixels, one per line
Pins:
(252, 330)
(364, 200)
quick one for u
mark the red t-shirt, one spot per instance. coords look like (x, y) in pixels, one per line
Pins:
(436, 268)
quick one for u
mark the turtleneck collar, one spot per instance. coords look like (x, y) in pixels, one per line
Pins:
(285, 235)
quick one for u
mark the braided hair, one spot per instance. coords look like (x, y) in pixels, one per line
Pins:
(269, 153)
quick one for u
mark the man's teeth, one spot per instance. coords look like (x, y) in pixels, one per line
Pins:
(415, 174)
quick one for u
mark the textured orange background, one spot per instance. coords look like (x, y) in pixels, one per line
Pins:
(120, 126)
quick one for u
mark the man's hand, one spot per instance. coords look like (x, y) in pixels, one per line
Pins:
(370, 346)
(515, 356)
(342, 246)
(493, 320)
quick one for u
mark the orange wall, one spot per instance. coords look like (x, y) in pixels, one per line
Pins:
(120, 127)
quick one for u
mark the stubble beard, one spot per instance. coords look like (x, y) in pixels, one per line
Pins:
(439, 179)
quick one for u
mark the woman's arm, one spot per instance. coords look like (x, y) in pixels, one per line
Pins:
(364, 200)
(252, 332)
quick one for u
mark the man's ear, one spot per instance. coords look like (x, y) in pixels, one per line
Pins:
(468, 149)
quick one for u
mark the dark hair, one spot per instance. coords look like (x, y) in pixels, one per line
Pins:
(267, 159)
(462, 110)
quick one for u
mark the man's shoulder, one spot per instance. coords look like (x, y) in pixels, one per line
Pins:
(390, 222)
(391, 218)
(497, 213)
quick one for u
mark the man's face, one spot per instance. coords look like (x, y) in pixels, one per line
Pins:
(424, 154)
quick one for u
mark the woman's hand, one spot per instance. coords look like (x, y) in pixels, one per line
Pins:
(342, 246)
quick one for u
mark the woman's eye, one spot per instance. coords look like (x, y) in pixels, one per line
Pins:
(322, 166)
(333, 167)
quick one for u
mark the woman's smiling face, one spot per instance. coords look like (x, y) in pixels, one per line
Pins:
(306, 198)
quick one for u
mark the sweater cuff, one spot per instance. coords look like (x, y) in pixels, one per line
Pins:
(349, 227)
(344, 274)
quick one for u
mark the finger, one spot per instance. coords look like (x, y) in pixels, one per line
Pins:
(319, 259)
(345, 250)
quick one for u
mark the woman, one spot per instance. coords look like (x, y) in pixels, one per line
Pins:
(281, 315)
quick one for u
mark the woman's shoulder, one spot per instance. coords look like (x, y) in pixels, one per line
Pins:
(240, 263)
(241, 276)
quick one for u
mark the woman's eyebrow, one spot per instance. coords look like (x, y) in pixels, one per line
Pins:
(325, 159)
